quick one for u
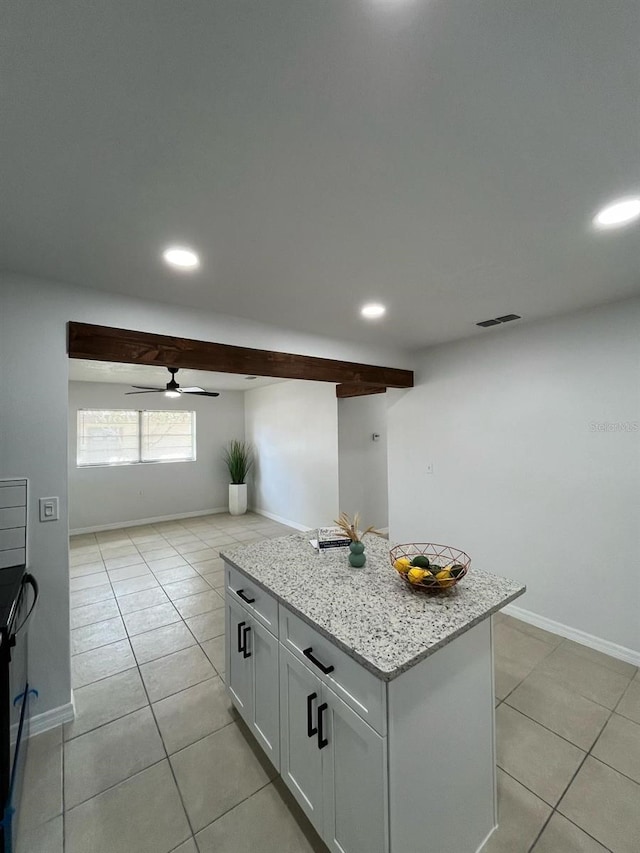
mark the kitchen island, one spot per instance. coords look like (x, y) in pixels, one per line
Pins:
(374, 702)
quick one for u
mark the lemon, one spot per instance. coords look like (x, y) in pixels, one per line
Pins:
(416, 575)
(444, 578)
(403, 564)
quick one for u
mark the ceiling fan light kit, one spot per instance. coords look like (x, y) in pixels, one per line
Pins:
(172, 388)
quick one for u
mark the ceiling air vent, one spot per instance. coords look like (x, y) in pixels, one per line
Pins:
(507, 318)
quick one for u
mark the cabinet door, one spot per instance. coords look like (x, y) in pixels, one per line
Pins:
(354, 770)
(300, 756)
(239, 663)
(265, 710)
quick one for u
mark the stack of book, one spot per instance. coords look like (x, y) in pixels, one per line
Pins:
(330, 538)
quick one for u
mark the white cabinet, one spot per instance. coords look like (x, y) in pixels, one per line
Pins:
(301, 759)
(354, 774)
(332, 761)
(377, 766)
(264, 720)
(252, 676)
(354, 684)
(238, 663)
(253, 598)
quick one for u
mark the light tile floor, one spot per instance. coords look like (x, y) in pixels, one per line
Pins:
(157, 761)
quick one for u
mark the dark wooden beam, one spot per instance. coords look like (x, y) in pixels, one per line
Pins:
(104, 343)
(346, 390)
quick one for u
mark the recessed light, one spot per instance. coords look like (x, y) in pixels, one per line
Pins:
(373, 310)
(250, 377)
(181, 257)
(619, 212)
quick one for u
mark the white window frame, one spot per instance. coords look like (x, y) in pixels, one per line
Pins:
(139, 460)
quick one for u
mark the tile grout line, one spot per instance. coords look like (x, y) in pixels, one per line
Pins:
(546, 675)
(150, 704)
(244, 800)
(562, 737)
(508, 695)
(561, 684)
(555, 807)
(232, 722)
(563, 642)
(137, 666)
(155, 721)
(582, 761)
(615, 769)
(588, 754)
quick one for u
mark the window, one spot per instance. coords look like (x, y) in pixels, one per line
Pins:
(126, 437)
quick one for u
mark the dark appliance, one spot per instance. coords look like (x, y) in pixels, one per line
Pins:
(18, 596)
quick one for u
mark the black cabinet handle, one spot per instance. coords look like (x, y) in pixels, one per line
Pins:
(240, 640)
(241, 594)
(245, 651)
(322, 741)
(324, 669)
(311, 729)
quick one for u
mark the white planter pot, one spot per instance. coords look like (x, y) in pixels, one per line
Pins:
(237, 498)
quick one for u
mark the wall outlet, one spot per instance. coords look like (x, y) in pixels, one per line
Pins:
(49, 509)
(429, 468)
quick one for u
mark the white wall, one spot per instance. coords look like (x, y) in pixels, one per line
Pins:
(125, 493)
(34, 415)
(522, 480)
(293, 427)
(362, 461)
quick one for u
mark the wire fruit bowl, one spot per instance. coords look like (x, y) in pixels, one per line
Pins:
(427, 567)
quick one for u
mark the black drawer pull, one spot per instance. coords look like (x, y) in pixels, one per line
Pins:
(324, 669)
(322, 741)
(240, 627)
(245, 651)
(311, 729)
(240, 593)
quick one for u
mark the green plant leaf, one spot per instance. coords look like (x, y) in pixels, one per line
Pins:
(239, 460)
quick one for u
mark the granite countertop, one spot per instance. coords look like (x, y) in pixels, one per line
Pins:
(369, 612)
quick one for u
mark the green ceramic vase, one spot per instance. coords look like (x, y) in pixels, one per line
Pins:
(357, 557)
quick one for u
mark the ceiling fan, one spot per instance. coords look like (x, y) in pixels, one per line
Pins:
(172, 388)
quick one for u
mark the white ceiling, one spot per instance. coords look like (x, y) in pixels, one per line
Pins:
(81, 370)
(442, 156)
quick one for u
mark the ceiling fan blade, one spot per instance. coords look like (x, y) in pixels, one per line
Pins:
(150, 391)
(203, 393)
(191, 390)
(147, 388)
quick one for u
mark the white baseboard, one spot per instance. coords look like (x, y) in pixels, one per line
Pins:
(116, 525)
(590, 640)
(296, 525)
(39, 723)
(486, 841)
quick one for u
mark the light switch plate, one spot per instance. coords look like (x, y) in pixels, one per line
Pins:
(49, 509)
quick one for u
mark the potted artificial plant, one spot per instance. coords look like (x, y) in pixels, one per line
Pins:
(237, 457)
(349, 529)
